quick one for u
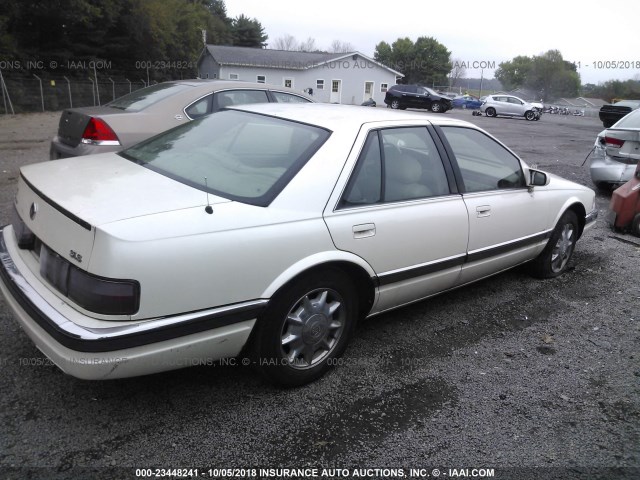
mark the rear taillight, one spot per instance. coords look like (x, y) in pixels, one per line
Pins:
(98, 132)
(613, 142)
(106, 296)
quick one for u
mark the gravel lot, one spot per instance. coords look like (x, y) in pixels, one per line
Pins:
(534, 379)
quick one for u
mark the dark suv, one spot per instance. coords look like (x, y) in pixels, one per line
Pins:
(415, 96)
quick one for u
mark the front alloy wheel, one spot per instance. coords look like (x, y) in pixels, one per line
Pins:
(530, 115)
(305, 328)
(554, 259)
(490, 112)
(395, 104)
(436, 107)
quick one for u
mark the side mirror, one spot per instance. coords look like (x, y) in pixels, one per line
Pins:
(538, 178)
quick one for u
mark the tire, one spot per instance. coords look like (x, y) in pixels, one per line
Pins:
(554, 259)
(635, 225)
(490, 112)
(530, 115)
(395, 104)
(436, 107)
(305, 328)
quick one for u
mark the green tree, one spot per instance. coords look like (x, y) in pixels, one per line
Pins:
(426, 61)
(248, 32)
(514, 73)
(553, 76)
(548, 73)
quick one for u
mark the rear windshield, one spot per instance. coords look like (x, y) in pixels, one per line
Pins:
(628, 103)
(141, 99)
(632, 120)
(237, 155)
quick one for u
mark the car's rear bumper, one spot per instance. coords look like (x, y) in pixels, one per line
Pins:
(603, 169)
(116, 349)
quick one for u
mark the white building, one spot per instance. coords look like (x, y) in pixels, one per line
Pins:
(349, 78)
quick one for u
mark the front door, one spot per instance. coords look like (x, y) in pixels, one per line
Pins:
(336, 91)
(497, 199)
(368, 91)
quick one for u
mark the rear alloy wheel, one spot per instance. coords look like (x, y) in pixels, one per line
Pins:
(395, 104)
(490, 112)
(305, 328)
(554, 259)
(530, 115)
(436, 107)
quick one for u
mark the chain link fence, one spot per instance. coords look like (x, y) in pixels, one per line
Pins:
(23, 93)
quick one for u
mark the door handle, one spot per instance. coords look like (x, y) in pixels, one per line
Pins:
(483, 211)
(365, 230)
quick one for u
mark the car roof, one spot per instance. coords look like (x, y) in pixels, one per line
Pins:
(334, 116)
(207, 83)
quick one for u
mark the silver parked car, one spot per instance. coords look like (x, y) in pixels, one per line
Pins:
(616, 152)
(146, 112)
(269, 231)
(509, 106)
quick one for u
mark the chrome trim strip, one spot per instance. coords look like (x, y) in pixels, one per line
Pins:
(591, 216)
(106, 143)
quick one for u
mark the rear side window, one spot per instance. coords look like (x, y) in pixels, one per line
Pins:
(240, 97)
(141, 99)
(282, 97)
(396, 164)
(199, 108)
(484, 164)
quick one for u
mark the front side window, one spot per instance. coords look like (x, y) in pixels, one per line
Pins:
(243, 156)
(484, 164)
(396, 164)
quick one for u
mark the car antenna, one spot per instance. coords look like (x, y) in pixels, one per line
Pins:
(208, 208)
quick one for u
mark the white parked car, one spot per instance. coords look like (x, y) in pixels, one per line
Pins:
(616, 152)
(269, 231)
(509, 106)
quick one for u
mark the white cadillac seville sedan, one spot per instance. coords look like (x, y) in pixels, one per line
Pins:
(269, 230)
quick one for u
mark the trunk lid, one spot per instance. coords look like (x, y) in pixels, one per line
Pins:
(63, 202)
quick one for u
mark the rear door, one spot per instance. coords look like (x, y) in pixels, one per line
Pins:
(398, 211)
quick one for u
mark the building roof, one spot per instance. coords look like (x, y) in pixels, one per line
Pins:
(280, 59)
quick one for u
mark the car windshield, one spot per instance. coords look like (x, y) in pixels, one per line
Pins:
(631, 120)
(141, 99)
(237, 155)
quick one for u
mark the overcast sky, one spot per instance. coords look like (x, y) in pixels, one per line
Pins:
(487, 31)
